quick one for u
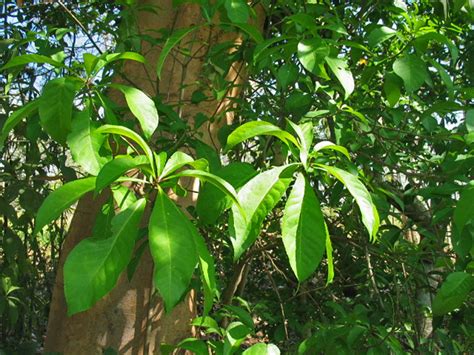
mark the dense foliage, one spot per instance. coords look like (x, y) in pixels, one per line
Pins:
(337, 216)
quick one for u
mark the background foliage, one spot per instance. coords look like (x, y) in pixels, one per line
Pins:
(390, 84)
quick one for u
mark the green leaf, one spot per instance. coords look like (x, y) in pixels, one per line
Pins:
(194, 345)
(237, 10)
(305, 134)
(85, 143)
(445, 77)
(342, 73)
(412, 70)
(391, 88)
(55, 108)
(370, 217)
(287, 75)
(469, 120)
(258, 128)
(303, 229)
(329, 258)
(16, 118)
(175, 162)
(212, 202)
(137, 57)
(170, 43)
(236, 333)
(258, 196)
(249, 29)
(262, 349)
(128, 133)
(116, 168)
(380, 35)
(326, 145)
(30, 58)
(60, 199)
(172, 244)
(453, 292)
(142, 107)
(95, 264)
(208, 272)
(221, 184)
(123, 196)
(463, 213)
(312, 53)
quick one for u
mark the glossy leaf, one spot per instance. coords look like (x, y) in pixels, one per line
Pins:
(85, 143)
(312, 53)
(453, 292)
(258, 196)
(30, 58)
(128, 133)
(16, 118)
(370, 217)
(55, 108)
(175, 162)
(412, 70)
(142, 107)
(95, 264)
(116, 168)
(326, 145)
(61, 199)
(258, 128)
(172, 243)
(342, 73)
(303, 229)
(262, 349)
(237, 10)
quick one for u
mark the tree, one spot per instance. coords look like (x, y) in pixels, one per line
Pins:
(350, 155)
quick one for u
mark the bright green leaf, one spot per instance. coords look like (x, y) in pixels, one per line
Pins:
(342, 73)
(237, 10)
(262, 349)
(258, 128)
(30, 58)
(312, 53)
(95, 264)
(142, 107)
(303, 229)
(370, 217)
(258, 196)
(412, 70)
(116, 168)
(171, 237)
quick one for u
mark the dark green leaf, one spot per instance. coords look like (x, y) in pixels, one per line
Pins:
(237, 10)
(453, 292)
(412, 70)
(16, 118)
(391, 88)
(380, 35)
(61, 199)
(55, 108)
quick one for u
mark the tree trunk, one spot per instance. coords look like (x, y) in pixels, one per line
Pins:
(131, 318)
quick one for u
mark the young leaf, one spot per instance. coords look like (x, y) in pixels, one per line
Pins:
(128, 133)
(55, 107)
(258, 128)
(212, 202)
(95, 264)
(258, 196)
(116, 168)
(85, 143)
(30, 58)
(172, 244)
(16, 118)
(60, 199)
(412, 70)
(142, 107)
(170, 43)
(342, 73)
(303, 229)
(453, 292)
(370, 217)
(304, 131)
